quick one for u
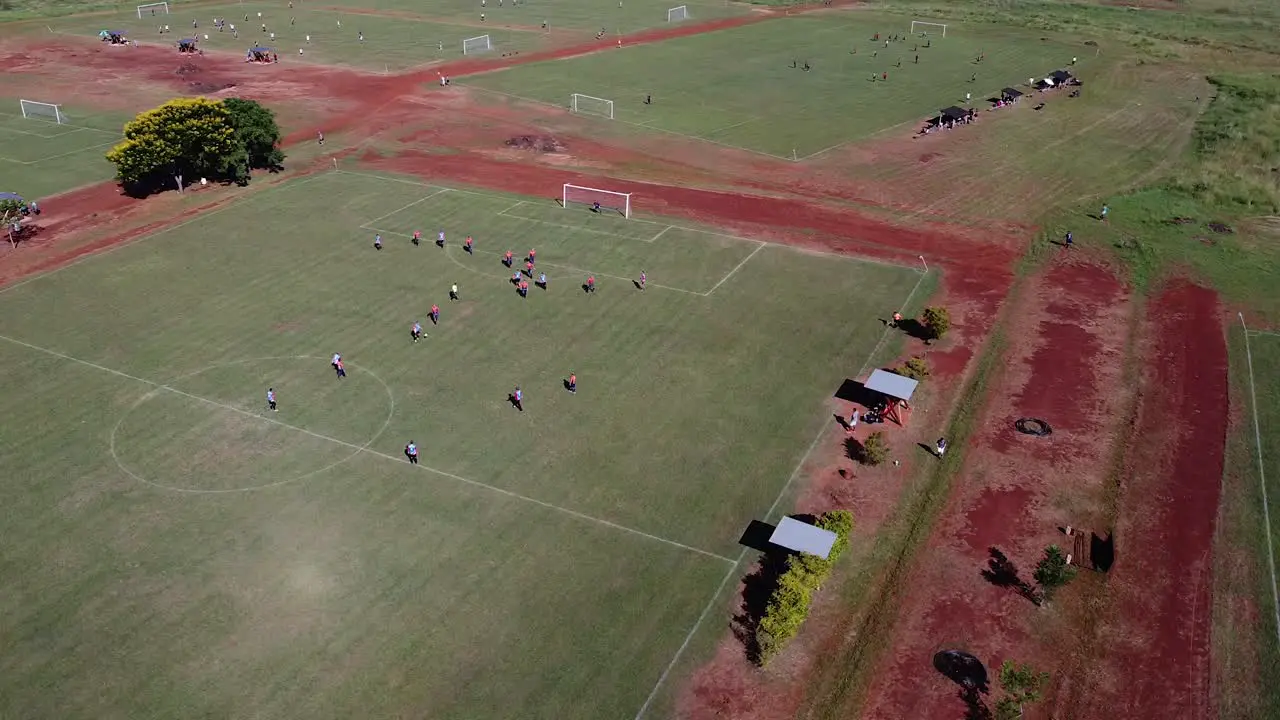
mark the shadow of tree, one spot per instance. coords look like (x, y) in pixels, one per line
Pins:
(1001, 572)
(756, 591)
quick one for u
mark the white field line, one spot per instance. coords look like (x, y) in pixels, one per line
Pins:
(736, 268)
(1262, 332)
(406, 207)
(1262, 480)
(60, 155)
(360, 449)
(713, 233)
(568, 268)
(590, 231)
(661, 232)
(733, 569)
(120, 246)
(505, 210)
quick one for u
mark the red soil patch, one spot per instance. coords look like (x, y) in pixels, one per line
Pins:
(1161, 608)
(1067, 337)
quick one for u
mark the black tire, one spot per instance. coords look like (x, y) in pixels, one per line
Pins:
(1033, 426)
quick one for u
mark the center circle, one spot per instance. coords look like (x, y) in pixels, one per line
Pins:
(211, 430)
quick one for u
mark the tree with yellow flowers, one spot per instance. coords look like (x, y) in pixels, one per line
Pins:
(191, 138)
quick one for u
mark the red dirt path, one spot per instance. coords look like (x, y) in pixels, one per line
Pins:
(1161, 609)
(1067, 339)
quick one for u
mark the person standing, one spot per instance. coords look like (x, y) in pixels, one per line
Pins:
(415, 332)
(435, 314)
(643, 279)
(411, 452)
(940, 447)
(517, 398)
(377, 242)
(573, 382)
(453, 293)
(271, 399)
(1103, 214)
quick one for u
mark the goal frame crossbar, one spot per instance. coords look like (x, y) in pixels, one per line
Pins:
(147, 6)
(488, 44)
(58, 117)
(574, 107)
(612, 200)
(684, 16)
(914, 23)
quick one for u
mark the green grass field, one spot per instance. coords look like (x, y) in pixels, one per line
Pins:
(1264, 389)
(40, 157)
(737, 87)
(400, 37)
(173, 549)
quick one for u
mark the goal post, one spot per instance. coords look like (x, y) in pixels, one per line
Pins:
(153, 8)
(678, 14)
(474, 45)
(589, 105)
(920, 27)
(42, 111)
(609, 200)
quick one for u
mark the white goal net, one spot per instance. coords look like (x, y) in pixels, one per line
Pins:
(470, 46)
(42, 111)
(676, 14)
(919, 27)
(160, 8)
(609, 200)
(588, 105)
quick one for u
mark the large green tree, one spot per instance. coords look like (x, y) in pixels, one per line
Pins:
(183, 139)
(256, 132)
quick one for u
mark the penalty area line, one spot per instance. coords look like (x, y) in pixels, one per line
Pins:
(361, 449)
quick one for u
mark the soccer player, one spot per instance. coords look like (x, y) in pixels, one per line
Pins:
(940, 447)
(595, 207)
(415, 332)
(648, 99)
(435, 314)
(897, 319)
(440, 239)
(506, 259)
(528, 268)
(336, 359)
(320, 137)
(1068, 240)
(542, 280)
(573, 382)
(591, 283)
(515, 278)
(533, 256)
(643, 279)
(467, 245)
(524, 288)
(271, 399)
(417, 236)
(377, 242)
(517, 399)
(1105, 210)
(411, 452)
(340, 369)
(453, 292)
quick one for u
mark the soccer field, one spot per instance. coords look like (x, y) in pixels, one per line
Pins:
(174, 549)
(40, 157)
(738, 87)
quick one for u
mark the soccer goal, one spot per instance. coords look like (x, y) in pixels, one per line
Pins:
(153, 8)
(618, 202)
(470, 46)
(588, 105)
(42, 111)
(919, 27)
(677, 14)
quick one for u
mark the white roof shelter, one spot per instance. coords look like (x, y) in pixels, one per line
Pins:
(803, 537)
(892, 384)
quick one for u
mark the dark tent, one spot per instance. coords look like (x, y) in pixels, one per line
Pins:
(10, 196)
(952, 114)
(1010, 94)
(1059, 77)
(187, 45)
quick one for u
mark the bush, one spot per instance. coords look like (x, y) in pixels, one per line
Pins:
(789, 603)
(936, 321)
(915, 368)
(1052, 572)
(875, 450)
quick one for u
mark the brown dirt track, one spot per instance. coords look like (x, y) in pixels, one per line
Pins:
(1068, 340)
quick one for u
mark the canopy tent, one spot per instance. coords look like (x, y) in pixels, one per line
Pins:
(1010, 94)
(115, 37)
(953, 114)
(259, 54)
(187, 45)
(897, 388)
(10, 196)
(803, 537)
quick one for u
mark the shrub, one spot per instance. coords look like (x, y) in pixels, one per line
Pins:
(936, 321)
(875, 450)
(1052, 572)
(789, 602)
(915, 368)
